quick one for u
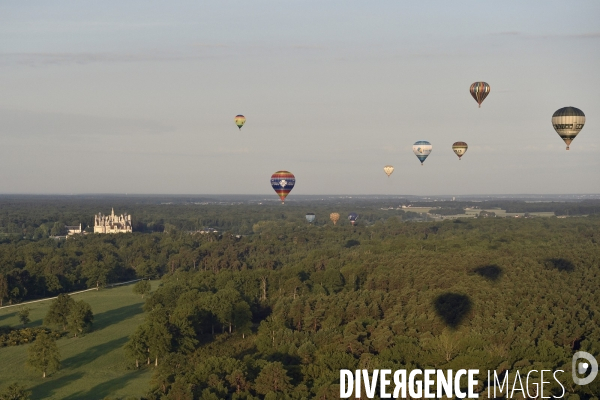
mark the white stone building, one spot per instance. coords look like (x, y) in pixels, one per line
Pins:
(112, 223)
(73, 229)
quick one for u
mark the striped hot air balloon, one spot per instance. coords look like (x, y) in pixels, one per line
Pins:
(422, 149)
(460, 148)
(283, 182)
(567, 122)
(479, 91)
(240, 120)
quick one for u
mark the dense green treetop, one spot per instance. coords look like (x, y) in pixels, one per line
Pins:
(488, 294)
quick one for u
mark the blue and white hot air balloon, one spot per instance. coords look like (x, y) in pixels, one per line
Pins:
(422, 149)
(310, 217)
(352, 217)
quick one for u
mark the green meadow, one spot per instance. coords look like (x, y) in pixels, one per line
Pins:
(93, 366)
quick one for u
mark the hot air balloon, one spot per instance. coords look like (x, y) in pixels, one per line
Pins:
(567, 122)
(334, 217)
(479, 91)
(240, 120)
(310, 217)
(422, 148)
(460, 148)
(283, 182)
(388, 169)
(352, 217)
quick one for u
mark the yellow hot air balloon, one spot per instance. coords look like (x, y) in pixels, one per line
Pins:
(388, 169)
(460, 148)
(567, 122)
(240, 120)
(334, 217)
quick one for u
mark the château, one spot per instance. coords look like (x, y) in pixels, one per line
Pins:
(112, 223)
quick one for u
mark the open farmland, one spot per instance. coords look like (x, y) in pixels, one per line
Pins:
(93, 366)
(474, 212)
(419, 210)
(503, 214)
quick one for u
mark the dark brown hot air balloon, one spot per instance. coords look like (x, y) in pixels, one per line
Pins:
(479, 91)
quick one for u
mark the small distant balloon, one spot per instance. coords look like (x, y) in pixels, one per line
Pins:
(352, 217)
(460, 148)
(567, 122)
(388, 169)
(283, 182)
(334, 217)
(479, 91)
(422, 149)
(240, 120)
(310, 217)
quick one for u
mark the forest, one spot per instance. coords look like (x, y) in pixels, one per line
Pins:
(272, 307)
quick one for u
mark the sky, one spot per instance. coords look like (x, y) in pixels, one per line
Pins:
(140, 96)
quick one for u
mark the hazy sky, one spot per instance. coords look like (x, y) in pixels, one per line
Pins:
(139, 96)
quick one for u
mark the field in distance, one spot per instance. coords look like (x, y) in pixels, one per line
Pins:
(474, 212)
(93, 366)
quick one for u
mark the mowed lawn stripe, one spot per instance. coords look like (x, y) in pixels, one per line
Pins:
(92, 366)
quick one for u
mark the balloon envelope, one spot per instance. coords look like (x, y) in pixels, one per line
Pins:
(460, 148)
(567, 122)
(352, 217)
(422, 149)
(388, 169)
(283, 182)
(310, 217)
(334, 217)
(479, 91)
(240, 120)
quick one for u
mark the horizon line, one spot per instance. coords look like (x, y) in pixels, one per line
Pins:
(297, 195)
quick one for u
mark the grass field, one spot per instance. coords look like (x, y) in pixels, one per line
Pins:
(424, 210)
(503, 214)
(474, 212)
(93, 366)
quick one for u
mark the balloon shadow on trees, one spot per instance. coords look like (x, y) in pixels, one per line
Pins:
(286, 359)
(452, 308)
(351, 243)
(93, 353)
(117, 315)
(489, 272)
(560, 264)
(49, 387)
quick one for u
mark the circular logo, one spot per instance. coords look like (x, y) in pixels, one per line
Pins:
(582, 367)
